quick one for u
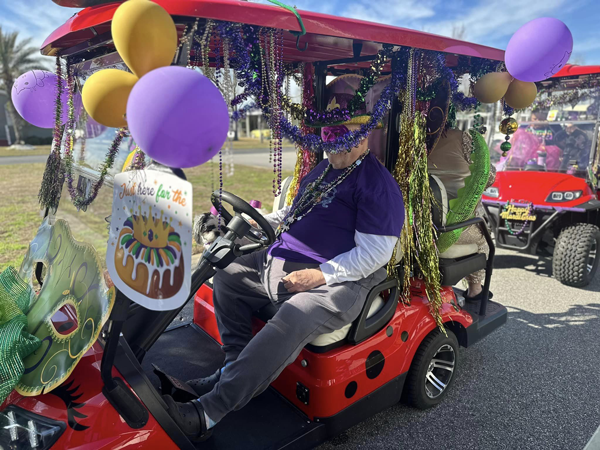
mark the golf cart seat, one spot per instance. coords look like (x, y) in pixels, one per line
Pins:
(460, 260)
(378, 311)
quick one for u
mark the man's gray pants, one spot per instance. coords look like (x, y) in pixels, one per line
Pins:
(252, 363)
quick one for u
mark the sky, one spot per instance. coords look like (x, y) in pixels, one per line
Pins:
(487, 22)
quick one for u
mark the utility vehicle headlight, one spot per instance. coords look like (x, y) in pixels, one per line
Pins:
(23, 430)
(492, 191)
(563, 196)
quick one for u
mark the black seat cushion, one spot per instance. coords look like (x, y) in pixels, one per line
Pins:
(454, 270)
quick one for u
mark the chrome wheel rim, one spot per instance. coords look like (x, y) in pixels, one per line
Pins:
(440, 371)
(592, 258)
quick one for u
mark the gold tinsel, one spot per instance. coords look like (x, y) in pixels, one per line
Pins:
(291, 193)
(418, 236)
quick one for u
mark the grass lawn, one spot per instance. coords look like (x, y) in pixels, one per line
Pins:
(20, 217)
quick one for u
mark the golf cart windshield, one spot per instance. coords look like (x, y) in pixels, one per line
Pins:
(90, 138)
(558, 138)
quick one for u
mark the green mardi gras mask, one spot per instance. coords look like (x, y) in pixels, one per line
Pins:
(74, 278)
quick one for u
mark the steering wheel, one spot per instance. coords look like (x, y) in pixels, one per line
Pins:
(240, 207)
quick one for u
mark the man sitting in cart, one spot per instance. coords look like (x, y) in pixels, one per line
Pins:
(332, 246)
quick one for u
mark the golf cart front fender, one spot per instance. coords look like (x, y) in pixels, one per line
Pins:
(91, 423)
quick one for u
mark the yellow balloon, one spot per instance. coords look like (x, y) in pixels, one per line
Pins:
(144, 35)
(520, 94)
(491, 87)
(105, 96)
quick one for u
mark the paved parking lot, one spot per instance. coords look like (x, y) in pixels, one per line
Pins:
(533, 384)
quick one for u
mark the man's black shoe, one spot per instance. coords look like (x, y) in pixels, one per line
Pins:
(478, 297)
(190, 418)
(204, 385)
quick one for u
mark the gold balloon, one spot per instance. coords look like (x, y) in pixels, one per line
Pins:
(105, 96)
(491, 87)
(520, 94)
(144, 35)
(128, 161)
(508, 126)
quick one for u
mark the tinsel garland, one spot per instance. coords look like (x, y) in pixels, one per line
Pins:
(417, 240)
(463, 207)
(305, 160)
(353, 138)
(245, 44)
(52, 179)
(80, 201)
(139, 160)
(571, 97)
(313, 116)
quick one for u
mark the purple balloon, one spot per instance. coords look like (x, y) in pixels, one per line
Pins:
(177, 116)
(34, 97)
(539, 49)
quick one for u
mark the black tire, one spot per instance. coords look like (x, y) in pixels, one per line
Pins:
(576, 254)
(418, 389)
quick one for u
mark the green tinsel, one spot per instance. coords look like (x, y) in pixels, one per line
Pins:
(418, 236)
(463, 207)
(52, 180)
(15, 342)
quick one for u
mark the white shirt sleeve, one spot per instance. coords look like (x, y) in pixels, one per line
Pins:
(371, 253)
(276, 217)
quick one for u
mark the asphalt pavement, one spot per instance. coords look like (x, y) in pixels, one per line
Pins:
(532, 384)
(25, 159)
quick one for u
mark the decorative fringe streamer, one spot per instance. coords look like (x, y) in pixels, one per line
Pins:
(417, 240)
(49, 194)
(15, 342)
(305, 159)
(463, 207)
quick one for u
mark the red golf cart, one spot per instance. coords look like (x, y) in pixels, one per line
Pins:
(546, 196)
(394, 350)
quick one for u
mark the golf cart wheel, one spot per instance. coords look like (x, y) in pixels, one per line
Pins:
(576, 254)
(432, 370)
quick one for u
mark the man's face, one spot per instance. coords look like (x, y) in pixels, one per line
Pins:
(329, 134)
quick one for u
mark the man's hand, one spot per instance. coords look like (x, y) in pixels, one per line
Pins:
(303, 280)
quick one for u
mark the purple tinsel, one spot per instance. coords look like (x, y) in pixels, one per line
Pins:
(460, 100)
(335, 115)
(352, 138)
(246, 63)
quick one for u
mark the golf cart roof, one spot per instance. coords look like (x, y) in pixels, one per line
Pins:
(573, 77)
(328, 37)
(573, 70)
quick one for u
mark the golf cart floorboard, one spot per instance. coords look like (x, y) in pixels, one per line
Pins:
(267, 422)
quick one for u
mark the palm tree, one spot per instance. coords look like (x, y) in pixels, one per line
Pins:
(15, 59)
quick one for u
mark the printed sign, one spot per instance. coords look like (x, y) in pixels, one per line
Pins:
(552, 114)
(150, 243)
(512, 212)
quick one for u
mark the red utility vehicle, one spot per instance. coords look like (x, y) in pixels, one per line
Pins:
(546, 196)
(394, 349)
